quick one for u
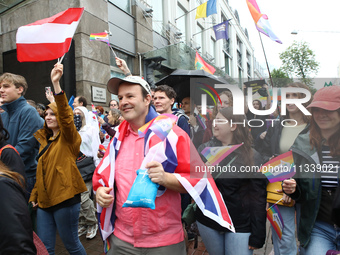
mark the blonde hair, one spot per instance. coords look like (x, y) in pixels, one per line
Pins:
(17, 80)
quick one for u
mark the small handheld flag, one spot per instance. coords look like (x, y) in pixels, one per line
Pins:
(103, 37)
(215, 155)
(275, 218)
(102, 149)
(70, 102)
(94, 110)
(279, 168)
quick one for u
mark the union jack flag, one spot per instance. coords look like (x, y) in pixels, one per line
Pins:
(203, 190)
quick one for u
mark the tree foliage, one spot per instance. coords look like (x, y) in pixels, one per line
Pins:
(298, 60)
(280, 78)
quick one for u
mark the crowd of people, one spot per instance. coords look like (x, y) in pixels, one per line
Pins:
(52, 159)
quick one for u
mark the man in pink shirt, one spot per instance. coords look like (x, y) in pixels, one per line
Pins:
(142, 230)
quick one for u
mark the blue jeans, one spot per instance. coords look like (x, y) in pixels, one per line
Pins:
(287, 244)
(66, 221)
(226, 243)
(30, 182)
(324, 237)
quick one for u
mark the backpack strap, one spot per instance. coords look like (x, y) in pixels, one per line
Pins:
(9, 147)
(179, 114)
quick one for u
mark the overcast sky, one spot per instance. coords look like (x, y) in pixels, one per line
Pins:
(310, 18)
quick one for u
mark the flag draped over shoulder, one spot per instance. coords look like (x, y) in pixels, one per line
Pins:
(203, 190)
(261, 20)
(49, 38)
(206, 9)
(221, 30)
(201, 64)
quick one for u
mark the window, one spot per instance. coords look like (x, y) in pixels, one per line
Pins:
(239, 52)
(248, 65)
(240, 77)
(226, 64)
(199, 36)
(181, 22)
(157, 15)
(123, 4)
(213, 47)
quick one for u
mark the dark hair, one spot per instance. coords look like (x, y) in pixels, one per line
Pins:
(169, 91)
(260, 103)
(115, 101)
(41, 106)
(4, 135)
(17, 80)
(315, 138)
(82, 99)
(145, 94)
(240, 135)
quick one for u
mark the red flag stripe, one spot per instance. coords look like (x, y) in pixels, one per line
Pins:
(42, 52)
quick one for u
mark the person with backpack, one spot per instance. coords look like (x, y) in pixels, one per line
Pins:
(164, 99)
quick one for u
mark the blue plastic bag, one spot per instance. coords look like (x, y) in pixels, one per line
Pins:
(143, 191)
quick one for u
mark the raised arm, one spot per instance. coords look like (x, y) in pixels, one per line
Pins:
(123, 66)
(56, 74)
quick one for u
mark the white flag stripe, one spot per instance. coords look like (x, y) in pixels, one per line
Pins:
(52, 33)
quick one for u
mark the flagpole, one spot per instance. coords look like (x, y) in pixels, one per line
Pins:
(265, 57)
(209, 28)
(275, 203)
(113, 51)
(59, 61)
(185, 14)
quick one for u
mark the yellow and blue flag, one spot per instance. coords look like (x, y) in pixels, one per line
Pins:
(206, 9)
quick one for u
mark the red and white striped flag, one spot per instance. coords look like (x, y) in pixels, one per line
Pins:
(49, 38)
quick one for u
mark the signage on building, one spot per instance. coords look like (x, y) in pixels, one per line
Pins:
(98, 94)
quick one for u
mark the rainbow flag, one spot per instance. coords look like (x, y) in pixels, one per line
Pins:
(275, 218)
(161, 125)
(215, 155)
(104, 37)
(94, 110)
(279, 168)
(206, 9)
(261, 21)
(200, 119)
(201, 64)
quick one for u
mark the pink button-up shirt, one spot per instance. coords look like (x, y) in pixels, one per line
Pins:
(143, 227)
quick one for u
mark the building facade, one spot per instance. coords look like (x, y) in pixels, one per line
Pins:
(154, 37)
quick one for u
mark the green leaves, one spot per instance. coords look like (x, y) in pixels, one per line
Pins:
(299, 61)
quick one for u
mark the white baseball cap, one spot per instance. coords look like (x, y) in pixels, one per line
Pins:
(113, 83)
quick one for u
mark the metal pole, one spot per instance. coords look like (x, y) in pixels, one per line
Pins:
(265, 57)
(185, 14)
